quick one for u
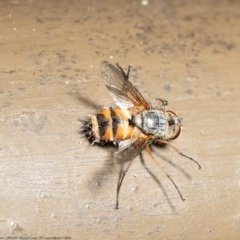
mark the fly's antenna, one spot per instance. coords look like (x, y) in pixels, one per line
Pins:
(180, 153)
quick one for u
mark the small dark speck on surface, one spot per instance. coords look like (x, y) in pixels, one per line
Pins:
(189, 91)
(6, 104)
(167, 87)
(21, 89)
(8, 71)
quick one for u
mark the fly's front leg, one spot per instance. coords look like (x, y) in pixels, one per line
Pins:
(163, 102)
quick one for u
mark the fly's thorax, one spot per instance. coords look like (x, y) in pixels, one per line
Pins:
(159, 123)
(152, 122)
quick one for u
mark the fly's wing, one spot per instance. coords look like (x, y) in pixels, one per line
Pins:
(129, 149)
(123, 92)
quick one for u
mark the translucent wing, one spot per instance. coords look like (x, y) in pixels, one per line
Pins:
(129, 149)
(123, 92)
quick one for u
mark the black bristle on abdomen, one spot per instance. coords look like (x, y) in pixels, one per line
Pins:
(87, 130)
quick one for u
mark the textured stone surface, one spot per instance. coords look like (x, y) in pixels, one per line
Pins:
(53, 183)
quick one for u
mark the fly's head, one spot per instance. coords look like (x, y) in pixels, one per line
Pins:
(174, 126)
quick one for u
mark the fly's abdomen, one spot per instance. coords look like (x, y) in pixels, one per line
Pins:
(110, 124)
(121, 127)
(101, 125)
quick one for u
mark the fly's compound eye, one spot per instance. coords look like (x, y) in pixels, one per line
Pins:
(174, 124)
(174, 121)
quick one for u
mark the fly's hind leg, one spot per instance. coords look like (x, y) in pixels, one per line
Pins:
(122, 174)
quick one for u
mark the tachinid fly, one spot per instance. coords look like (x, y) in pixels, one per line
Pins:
(133, 124)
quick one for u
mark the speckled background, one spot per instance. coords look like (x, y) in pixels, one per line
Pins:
(53, 183)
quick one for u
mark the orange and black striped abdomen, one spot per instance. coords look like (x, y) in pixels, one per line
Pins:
(110, 124)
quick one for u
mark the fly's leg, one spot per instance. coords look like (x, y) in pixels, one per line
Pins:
(162, 101)
(128, 72)
(158, 182)
(122, 174)
(148, 149)
(180, 153)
